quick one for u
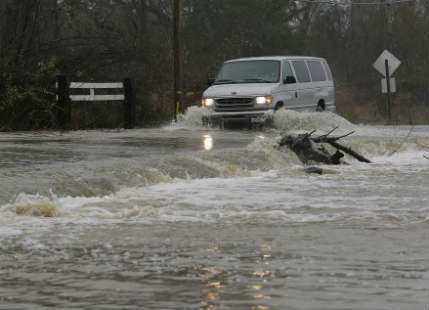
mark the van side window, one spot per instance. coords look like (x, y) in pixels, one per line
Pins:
(328, 70)
(316, 71)
(287, 70)
(301, 71)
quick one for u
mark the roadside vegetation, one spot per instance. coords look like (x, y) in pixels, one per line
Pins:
(103, 41)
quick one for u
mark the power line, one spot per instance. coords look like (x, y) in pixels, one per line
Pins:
(351, 3)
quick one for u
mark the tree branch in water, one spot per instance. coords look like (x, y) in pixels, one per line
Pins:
(310, 149)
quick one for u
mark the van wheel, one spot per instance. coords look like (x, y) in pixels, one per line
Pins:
(278, 106)
(321, 106)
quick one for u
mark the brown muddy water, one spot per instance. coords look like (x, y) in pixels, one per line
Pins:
(188, 217)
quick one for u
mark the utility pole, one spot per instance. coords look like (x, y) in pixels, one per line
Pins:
(427, 59)
(177, 51)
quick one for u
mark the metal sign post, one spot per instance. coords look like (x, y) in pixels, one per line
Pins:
(387, 64)
(389, 98)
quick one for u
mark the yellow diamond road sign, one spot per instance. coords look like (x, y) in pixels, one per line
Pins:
(380, 63)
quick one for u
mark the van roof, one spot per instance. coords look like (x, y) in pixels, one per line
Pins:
(274, 58)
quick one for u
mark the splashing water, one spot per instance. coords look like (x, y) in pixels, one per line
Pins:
(32, 205)
(283, 119)
(192, 118)
(289, 120)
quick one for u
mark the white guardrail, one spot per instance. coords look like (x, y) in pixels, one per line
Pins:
(65, 96)
(92, 87)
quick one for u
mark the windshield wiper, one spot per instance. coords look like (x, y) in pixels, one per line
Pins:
(224, 82)
(256, 80)
(251, 80)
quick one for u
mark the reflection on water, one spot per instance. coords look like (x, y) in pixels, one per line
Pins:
(264, 273)
(208, 142)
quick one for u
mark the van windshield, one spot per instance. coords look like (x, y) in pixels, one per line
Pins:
(255, 71)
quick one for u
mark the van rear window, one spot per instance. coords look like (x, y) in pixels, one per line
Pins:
(316, 71)
(301, 71)
(328, 70)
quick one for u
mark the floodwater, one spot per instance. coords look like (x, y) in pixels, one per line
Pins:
(188, 217)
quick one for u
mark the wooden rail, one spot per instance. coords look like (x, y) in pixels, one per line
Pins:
(64, 98)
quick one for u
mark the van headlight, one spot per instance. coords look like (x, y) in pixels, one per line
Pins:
(208, 102)
(264, 100)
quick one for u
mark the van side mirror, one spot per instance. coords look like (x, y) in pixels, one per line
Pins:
(290, 79)
(210, 81)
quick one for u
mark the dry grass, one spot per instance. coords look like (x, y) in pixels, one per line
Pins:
(360, 106)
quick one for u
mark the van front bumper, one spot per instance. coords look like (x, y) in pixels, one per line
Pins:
(252, 116)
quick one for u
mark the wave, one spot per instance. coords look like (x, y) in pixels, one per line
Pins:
(254, 182)
(259, 156)
(32, 205)
(289, 120)
(278, 197)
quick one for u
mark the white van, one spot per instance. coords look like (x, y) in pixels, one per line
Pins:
(248, 88)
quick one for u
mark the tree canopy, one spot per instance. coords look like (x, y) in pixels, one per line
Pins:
(99, 40)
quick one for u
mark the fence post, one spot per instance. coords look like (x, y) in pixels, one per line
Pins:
(129, 104)
(63, 102)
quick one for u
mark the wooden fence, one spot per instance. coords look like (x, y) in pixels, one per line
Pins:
(65, 99)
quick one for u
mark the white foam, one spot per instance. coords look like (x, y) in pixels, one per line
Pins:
(289, 120)
(191, 119)
(404, 158)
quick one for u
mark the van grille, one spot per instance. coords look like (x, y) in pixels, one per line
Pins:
(233, 104)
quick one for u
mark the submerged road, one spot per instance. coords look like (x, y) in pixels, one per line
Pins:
(186, 217)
